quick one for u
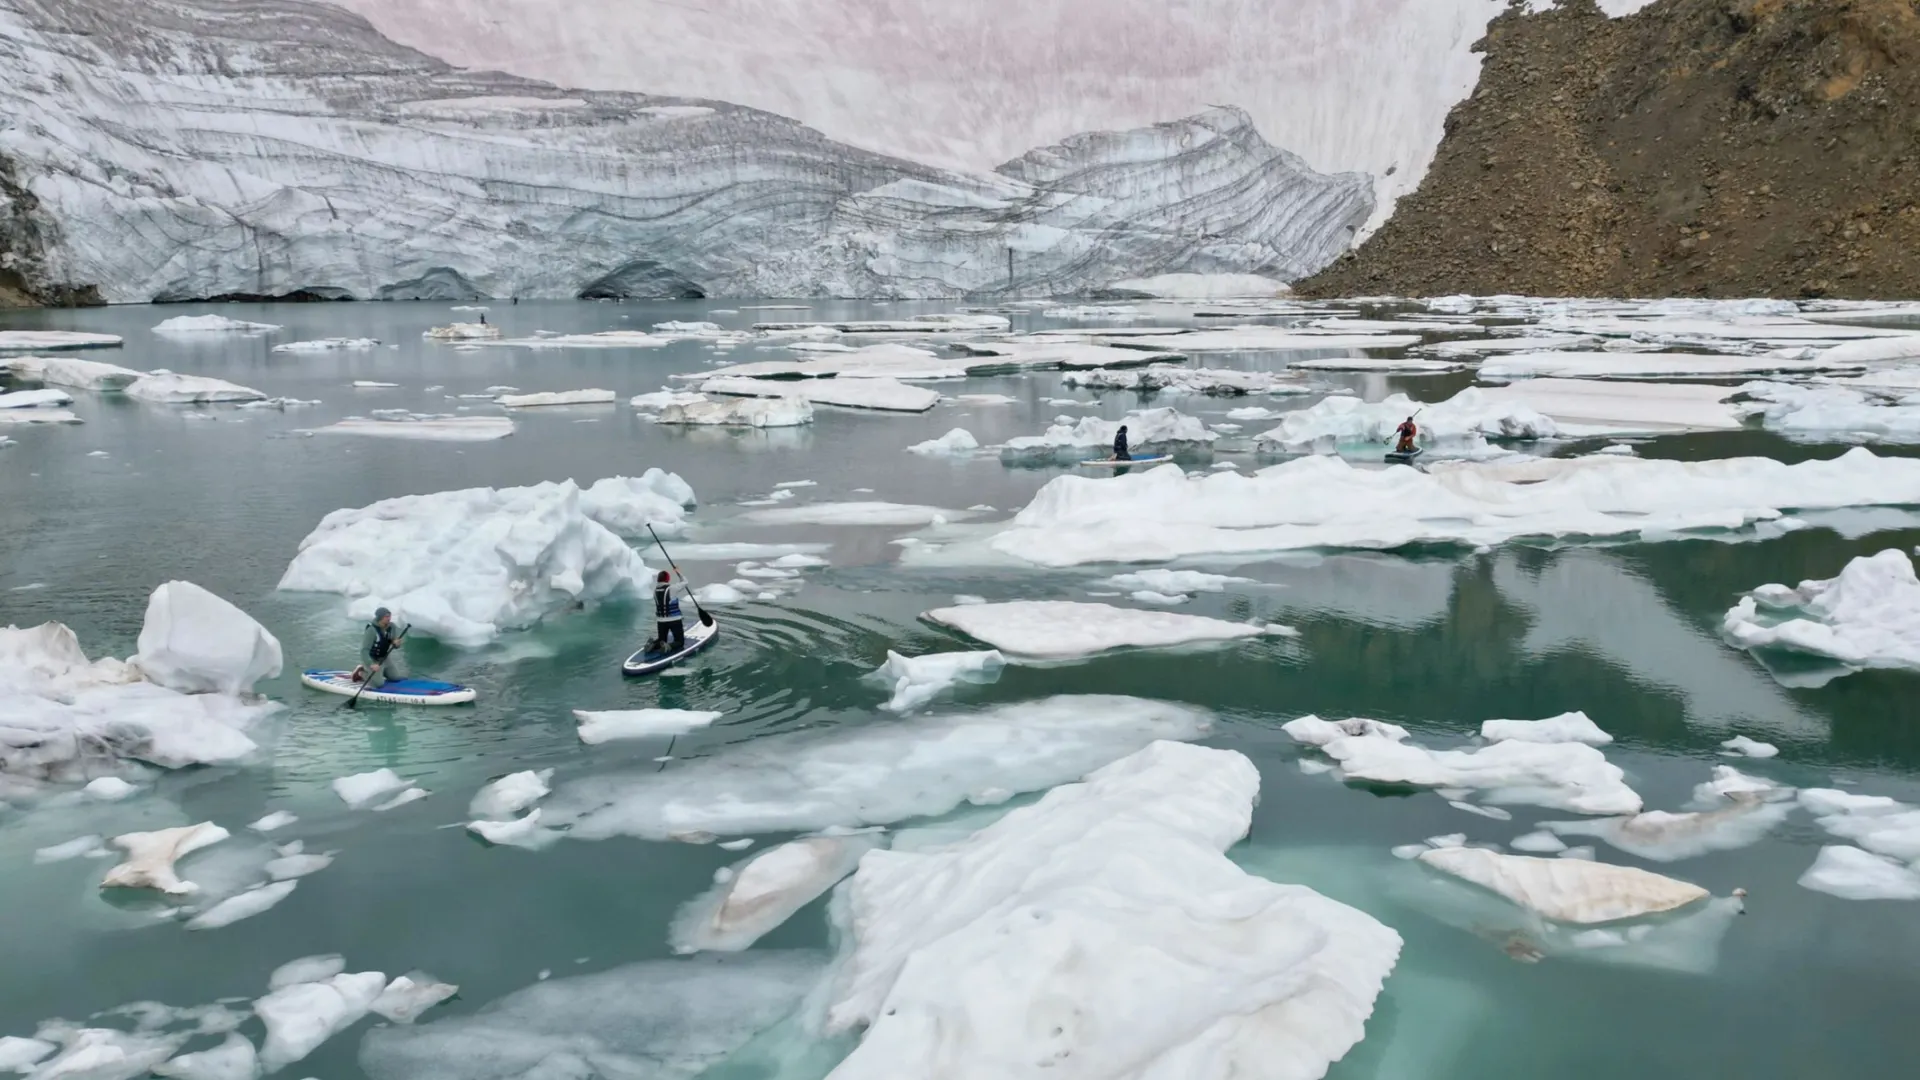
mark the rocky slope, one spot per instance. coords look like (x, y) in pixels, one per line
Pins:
(268, 148)
(1696, 147)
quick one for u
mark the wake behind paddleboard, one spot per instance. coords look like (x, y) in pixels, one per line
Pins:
(393, 692)
(699, 636)
(1116, 463)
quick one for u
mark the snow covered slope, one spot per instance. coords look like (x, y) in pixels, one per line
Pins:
(1350, 85)
(203, 148)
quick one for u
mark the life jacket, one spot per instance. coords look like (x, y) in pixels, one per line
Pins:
(382, 643)
(666, 606)
(1407, 430)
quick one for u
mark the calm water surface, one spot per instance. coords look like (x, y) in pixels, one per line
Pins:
(1805, 985)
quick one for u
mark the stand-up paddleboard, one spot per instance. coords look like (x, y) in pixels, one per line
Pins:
(699, 636)
(1116, 463)
(1394, 457)
(393, 692)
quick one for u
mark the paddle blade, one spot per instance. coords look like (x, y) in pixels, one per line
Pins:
(705, 618)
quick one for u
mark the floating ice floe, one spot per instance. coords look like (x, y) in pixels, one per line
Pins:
(1391, 365)
(1866, 617)
(1563, 775)
(525, 832)
(764, 891)
(1262, 339)
(957, 441)
(58, 709)
(1072, 354)
(1067, 630)
(332, 344)
(37, 416)
(938, 323)
(1173, 582)
(785, 411)
(302, 1016)
(233, 1059)
(1746, 747)
(306, 969)
(917, 680)
(242, 905)
(434, 429)
(1691, 328)
(1873, 351)
(1567, 727)
(1465, 420)
(661, 399)
(881, 394)
(1224, 974)
(511, 794)
(71, 372)
(195, 642)
(1219, 382)
(463, 566)
(172, 389)
(657, 1018)
(374, 384)
(1474, 347)
(1852, 874)
(105, 1054)
(1162, 427)
(1649, 365)
(211, 324)
(1324, 502)
(1740, 821)
(52, 340)
(1833, 413)
(34, 399)
(1567, 890)
(875, 774)
(463, 332)
(151, 855)
(1202, 286)
(556, 397)
(364, 789)
(600, 727)
(855, 513)
(409, 995)
(886, 361)
(1590, 407)
(718, 592)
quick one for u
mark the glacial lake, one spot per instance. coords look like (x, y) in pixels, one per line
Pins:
(1438, 640)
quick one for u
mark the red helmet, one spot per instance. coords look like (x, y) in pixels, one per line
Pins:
(665, 577)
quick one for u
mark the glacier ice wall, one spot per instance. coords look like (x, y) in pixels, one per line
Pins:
(185, 149)
(1349, 85)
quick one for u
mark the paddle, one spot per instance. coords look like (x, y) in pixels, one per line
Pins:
(705, 619)
(354, 701)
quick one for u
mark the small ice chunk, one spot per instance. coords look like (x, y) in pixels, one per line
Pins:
(763, 892)
(409, 995)
(296, 865)
(109, 789)
(600, 727)
(917, 680)
(1063, 630)
(81, 847)
(1567, 727)
(718, 592)
(741, 844)
(211, 324)
(1314, 731)
(360, 789)
(511, 794)
(1410, 851)
(1173, 582)
(556, 397)
(1668, 837)
(234, 1059)
(279, 819)
(151, 855)
(307, 969)
(1148, 596)
(166, 388)
(1852, 874)
(1539, 842)
(369, 384)
(106, 1054)
(525, 832)
(1744, 746)
(797, 561)
(302, 1016)
(1567, 891)
(412, 794)
(243, 905)
(957, 441)
(1493, 812)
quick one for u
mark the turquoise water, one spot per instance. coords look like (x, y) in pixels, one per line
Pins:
(1437, 640)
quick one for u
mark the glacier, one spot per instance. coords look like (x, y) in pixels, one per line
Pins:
(204, 149)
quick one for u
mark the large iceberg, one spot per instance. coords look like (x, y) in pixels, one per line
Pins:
(1101, 933)
(1324, 502)
(871, 774)
(465, 565)
(1463, 421)
(172, 155)
(1867, 617)
(195, 642)
(1160, 429)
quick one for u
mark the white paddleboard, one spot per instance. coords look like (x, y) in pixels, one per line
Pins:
(1115, 463)
(699, 636)
(394, 692)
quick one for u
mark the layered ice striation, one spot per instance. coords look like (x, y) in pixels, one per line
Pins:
(1102, 932)
(1323, 502)
(180, 152)
(1867, 617)
(465, 565)
(870, 774)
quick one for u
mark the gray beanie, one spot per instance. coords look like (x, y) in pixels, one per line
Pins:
(380, 613)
